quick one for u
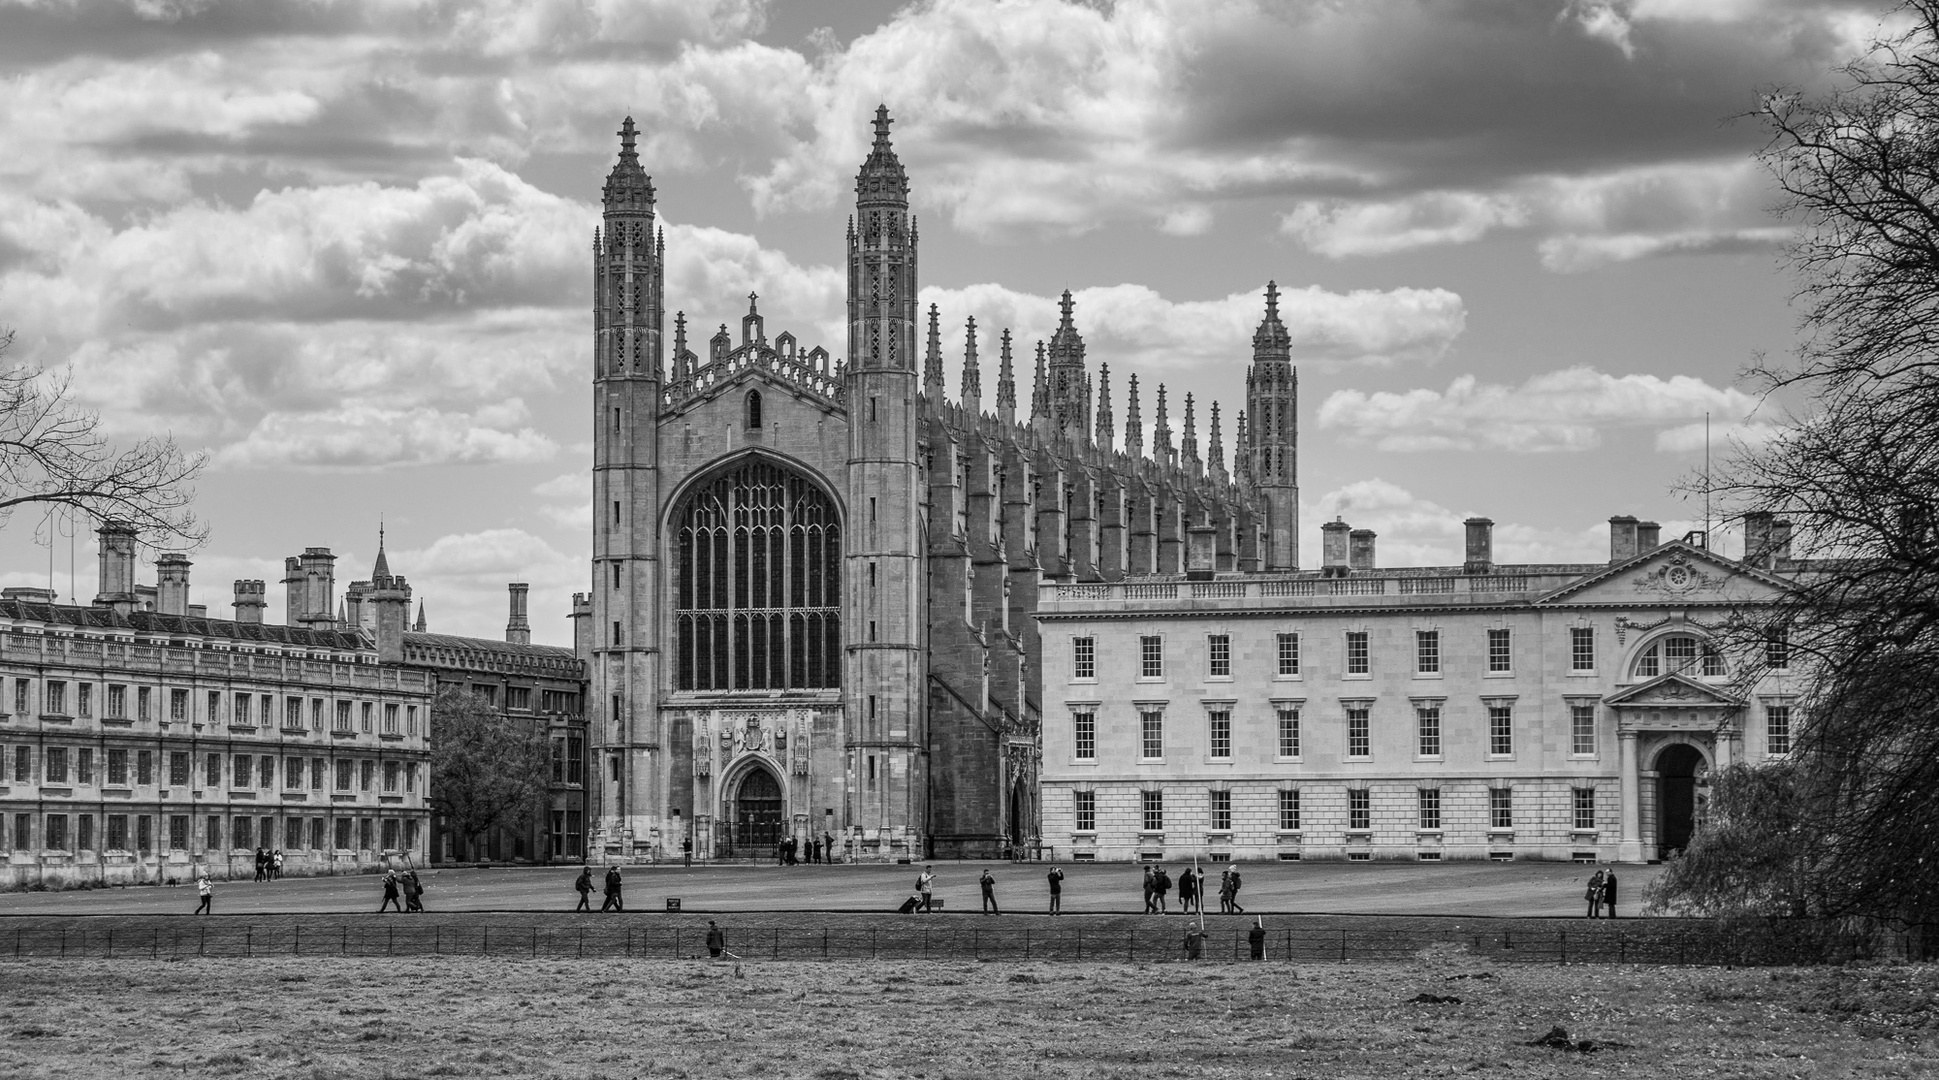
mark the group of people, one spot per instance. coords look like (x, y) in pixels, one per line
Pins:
(269, 864)
(1601, 892)
(615, 890)
(792, 850)
(405, 885)
(1191, 890)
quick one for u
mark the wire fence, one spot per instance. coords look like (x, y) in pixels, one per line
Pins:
(1639, 943)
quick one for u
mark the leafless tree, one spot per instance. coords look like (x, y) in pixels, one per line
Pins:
(1857, 474)
(53, 454)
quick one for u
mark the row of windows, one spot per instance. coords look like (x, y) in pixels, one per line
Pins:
(241, 833)
(1676, 652)
(243, 709)
(241, 771)
(1428, 722)
(1501, 810)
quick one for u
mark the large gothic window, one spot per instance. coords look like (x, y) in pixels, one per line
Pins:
(760, 572)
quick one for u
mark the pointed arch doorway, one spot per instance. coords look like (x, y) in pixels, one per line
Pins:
(757, 813)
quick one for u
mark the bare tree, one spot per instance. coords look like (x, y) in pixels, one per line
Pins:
(52, 453)
(1857, 475)
(488, 770)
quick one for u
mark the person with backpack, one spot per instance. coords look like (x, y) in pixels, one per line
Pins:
(1056, 891)
(988, 881)
(1160, 885)
(615, 898)
(390, 893)
(1151, 883)
(1234, 886)
(584, 886)
(413, 891)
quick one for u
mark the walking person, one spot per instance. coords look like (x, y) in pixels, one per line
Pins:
(1160, 885)
(390, 893)
(1235, 883)
(276, 865)
(1056, 890)
(1151, 903)
(262, 864)
(1593, 893)
(413, 892)
(716, 940)
(1188, 886)
(1609, 889)
(926, 881)
(615, 896)
(206, 890)
(988, 881)
(583, 885)
(1225, 891)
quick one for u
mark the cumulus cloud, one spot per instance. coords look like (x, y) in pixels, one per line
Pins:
(363, 436)
(461, 579)
(1567, 410)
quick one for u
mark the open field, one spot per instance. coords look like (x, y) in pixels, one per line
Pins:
(321, 1019)
(1467, 888)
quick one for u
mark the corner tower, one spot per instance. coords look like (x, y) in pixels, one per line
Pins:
(628, 282)
(884, 673)
(1272, 434)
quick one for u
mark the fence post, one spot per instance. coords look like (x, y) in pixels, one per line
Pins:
(1026, 944)
(676, 943)
(249, 941)
(824, 943)
(390, 940)
(63, 942)
(1343, 946)
(437, 940)
(1080, 943)
(1289, 944)
(485, 948)
(776, 954)
(201, 947)
(1562, 936)
(872, 945)
(343, 946)
(1131, 946)
(925, 943)
(110, 942)
(976, 944)
(1622, 949)
(535, 942)
(582, 942)
(296, 942)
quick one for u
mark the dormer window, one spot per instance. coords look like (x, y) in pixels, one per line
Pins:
(1680, 654)
(754, 410)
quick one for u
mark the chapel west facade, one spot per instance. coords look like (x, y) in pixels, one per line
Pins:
(814, 578)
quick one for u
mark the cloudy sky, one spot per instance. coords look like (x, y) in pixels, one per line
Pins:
(343, 245)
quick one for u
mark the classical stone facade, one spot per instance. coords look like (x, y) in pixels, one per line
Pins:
(1461, 712)
(140, 744)
(814, 579)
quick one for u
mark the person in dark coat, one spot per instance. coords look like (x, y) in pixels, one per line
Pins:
(1256, 937)
(1609, 889)
(390, 893)
(1593, 894)
(413, 891)
(584, 887)
(686, 851)
(716, 940)
(1236, 909)
(615, 897)
(1151, 885)
(828, 845)
(988, 881)
(1160, 885)
(1056, 891)
(1188, 884)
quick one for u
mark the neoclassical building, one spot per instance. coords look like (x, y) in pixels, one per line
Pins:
(814, 577)
(1359, 712)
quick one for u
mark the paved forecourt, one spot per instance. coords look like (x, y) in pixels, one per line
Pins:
(1467, 889)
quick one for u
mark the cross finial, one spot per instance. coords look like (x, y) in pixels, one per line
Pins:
(751, 299)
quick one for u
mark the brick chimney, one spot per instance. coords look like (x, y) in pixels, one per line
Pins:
(517, 630)
(172, 584)
(249, 601)
(1480, 546)
(1333, 548)
(117, 567)
(1757, 538)
(1360, 551)
(1622, 538)
(1649, 536)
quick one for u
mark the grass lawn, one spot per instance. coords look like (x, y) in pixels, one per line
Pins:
(312, 1019)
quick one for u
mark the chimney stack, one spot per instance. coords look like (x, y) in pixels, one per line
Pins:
(389, 601)
(1360, 555)
(172, 584)
(249, 601)
(310, 586)
(517, 630)
(1480, 546)
(1780, 545)
(117, 567)
(1333, 548)
(1757, 538)
(1622, 538)
(1649, 536)
(582, 625)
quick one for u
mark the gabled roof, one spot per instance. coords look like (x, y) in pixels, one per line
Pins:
(1674, 690)
(1663, 581)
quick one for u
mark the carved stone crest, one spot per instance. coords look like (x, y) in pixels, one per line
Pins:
(1677, 576)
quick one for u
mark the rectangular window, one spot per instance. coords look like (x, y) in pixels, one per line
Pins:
(293, 776)
(56, 697)
(1288, 647)
(84, 767)
(1359, 741)
(23, 764)
(1151, 653)
(215, 707)
(575, 760)
(178, 704)
(56, 767)
(1357, 652)
(410, 719)
(1083, 653)
(1501, 809)
(1429, 801)
(344, 775)
(178, 769)
(1582, 730)
(1154, 806)
(293, 713)
(316, 714)
(1427, 652)
(178, 832)
(244, 768)
(22, 696)
(117, 767)
(1501, 728)
(1777, 650)
(343, 716)
(241, 839)
(23, 832)
(516, 697)
(367, 711)
(212, 774)
(1219, 721)
(212, 833)
(1288, 730)
(84, 700)
(144, 833)
(343, 833)
(390, 720)
(318, 769)
(1500, 651)
(84, 832)
(1582, 648)
(1151, 724)
(144, 703)
(117, 702)
(1221, 811)
(242, 709)
(1218, 655)
(410, 776)
(1084, 810)
(1585, 809)
(293, 833)
(1359, 810)
(266, 772)
(1289, 811)
(367, 772)
(1427, 722)
(1777, 729)
(117, 832)
(390, 778)
(1085, 723)
(144, 768)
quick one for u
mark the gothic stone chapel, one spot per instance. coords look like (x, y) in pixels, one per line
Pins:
(813, 578)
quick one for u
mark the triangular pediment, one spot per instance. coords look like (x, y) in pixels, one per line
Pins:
(1672, 574)
(1676, 691)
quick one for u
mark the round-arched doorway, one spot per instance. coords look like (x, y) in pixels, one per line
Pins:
(1676, 797)
(757, 812)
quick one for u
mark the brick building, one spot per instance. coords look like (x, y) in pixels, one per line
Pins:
(142, 739)
(813, 579)
(1460, 712)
